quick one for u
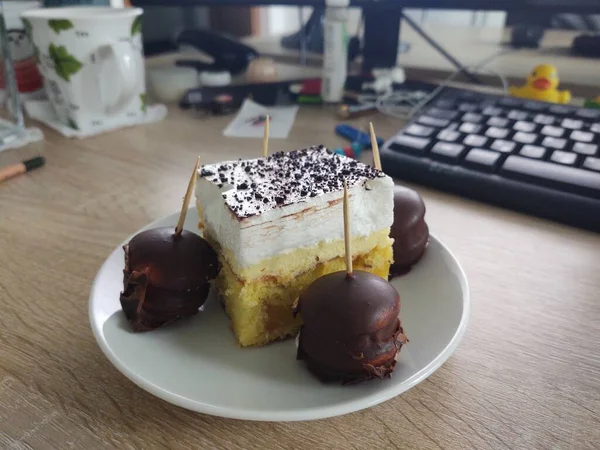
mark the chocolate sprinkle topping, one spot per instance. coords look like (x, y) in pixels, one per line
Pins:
(284, 178)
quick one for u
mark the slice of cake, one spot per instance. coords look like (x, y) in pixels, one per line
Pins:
(277, 225)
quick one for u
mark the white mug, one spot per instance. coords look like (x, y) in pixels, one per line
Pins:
(92, 62)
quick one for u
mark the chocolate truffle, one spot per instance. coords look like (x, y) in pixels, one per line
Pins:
(351, 331)
(166, 277)
(409, 231)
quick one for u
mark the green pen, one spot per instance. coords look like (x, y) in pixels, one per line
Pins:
(309, 99)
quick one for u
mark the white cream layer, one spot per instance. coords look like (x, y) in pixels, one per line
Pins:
(302, 224)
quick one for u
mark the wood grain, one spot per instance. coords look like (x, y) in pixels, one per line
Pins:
(526, 375)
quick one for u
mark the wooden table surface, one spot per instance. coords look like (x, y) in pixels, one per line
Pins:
(526, 375)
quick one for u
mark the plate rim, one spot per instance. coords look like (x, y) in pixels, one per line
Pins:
(278, 416)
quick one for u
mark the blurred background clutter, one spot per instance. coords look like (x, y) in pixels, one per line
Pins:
(415, 61)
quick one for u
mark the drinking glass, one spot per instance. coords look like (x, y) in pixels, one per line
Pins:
(12, 126)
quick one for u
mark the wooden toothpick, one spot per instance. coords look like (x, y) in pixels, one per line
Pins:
(347, 236)
(266, 137)
(375, 147)
(186, 199)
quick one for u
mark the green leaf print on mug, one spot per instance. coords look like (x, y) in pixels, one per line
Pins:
(59, 25)
(65, 64)
(36, 54)
(136, 26)
(28, 27)
(144, 99)
(73, 124)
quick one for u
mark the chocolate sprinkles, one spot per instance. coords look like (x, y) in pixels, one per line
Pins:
(284, 178)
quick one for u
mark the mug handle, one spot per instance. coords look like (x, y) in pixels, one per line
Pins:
(128, 74)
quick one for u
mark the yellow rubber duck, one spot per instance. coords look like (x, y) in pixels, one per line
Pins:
(542, 85)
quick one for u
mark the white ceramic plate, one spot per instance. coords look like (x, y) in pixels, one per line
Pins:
(197, 364)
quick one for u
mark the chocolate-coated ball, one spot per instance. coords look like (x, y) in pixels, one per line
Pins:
(409, 231)
(350, 327)
(166, 277)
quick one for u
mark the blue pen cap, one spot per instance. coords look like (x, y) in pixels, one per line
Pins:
(355, 135)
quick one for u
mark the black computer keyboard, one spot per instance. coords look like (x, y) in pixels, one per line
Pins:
(538, 158)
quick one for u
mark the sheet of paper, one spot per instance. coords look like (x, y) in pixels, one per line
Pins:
(250, 121)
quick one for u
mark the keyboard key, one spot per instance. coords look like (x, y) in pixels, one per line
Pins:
(582, 136)
(527, 127)
(483, 159)
(561, 109)
(487, 103)
(570, 178)
(419, 130)
(503, 146)
(474, 140)
(498, 122)
(470, 96)
(433, 121)
(525, 138)
(509, 101)
(515, 114)
(491, 111)
(497, 133)
(472, 117)
(441, 113)
(585, 149)
(592, 163)
(404, 142)
(467, 107)
(448, 135)
(448, 150)
(588, 113)
(445, 104)
(549, 130)
(535, 106)
(544, 119)
(469, 128)
(595, 127)
(572, 124)
(554, 142)
(561, 157)
(533, 151)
